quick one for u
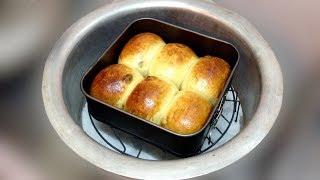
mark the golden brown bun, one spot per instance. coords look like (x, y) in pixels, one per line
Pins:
(207, 77)
(150, 99)
(113, 84)
(140, 51)
(188, 113)
(173, 62)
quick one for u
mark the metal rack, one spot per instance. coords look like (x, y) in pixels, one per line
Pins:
(126, 144)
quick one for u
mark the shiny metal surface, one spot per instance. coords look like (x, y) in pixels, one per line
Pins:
(258, 80)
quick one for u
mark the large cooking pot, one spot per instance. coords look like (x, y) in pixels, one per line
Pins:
(258, 80)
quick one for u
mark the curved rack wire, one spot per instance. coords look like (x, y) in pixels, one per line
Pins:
(121, 142)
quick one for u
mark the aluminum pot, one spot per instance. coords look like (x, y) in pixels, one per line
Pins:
(258, 80)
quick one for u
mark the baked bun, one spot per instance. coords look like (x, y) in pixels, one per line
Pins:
(207, 77)
(173, 62)
(166, 68)
(188, 113)
(140, 51)
(150, 99)
(114, 83)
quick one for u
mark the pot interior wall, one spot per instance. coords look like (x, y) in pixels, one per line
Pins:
(246, 79)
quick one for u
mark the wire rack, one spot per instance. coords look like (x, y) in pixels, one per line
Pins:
(228, 112)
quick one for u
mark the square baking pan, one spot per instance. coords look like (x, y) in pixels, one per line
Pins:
(177, 144)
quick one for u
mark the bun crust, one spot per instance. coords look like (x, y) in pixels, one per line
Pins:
(147, 79)
(150, 98)
(208, 77)
(173, 62)
(140, 51)
(114, 83)
(188, 113)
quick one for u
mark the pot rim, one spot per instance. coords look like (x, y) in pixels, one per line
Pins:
(254, 132)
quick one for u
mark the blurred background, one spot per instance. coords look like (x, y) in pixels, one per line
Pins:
(31, 149)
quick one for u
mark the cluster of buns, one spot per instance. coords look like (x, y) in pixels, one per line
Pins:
(166, 84)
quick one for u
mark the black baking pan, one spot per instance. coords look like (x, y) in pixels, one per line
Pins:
(177, 144)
